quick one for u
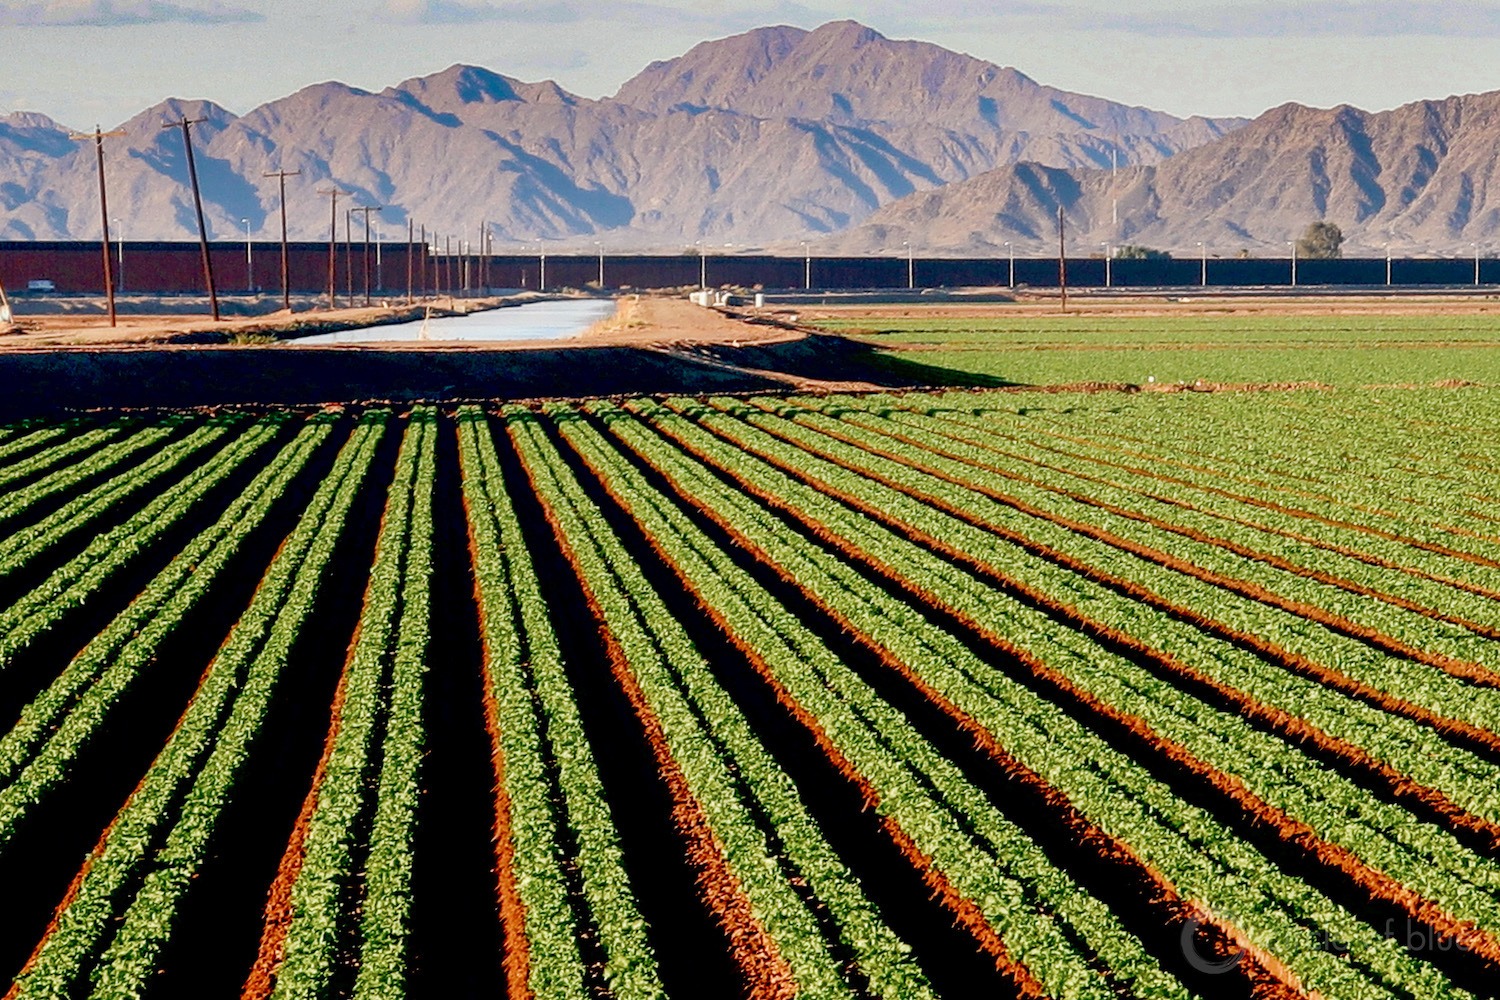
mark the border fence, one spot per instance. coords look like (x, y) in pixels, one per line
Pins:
(172, 267)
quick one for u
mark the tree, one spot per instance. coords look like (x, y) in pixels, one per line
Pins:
(1131, 251)
(1321, 241)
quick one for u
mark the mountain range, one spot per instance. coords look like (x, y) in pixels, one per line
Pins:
(838, 138)
(779, 133)
(1420, 179)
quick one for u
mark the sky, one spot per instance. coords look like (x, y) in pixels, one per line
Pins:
(101, 61)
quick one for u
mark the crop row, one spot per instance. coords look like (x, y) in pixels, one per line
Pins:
(1254, 761)
(1037, 924)
(1208, 843)
(1107, 704)
(68, 587)
(159, 838)
(358, 836)
(724, 775)
(1085, 550)
(534, 727)
(23, 545)
(56, 725)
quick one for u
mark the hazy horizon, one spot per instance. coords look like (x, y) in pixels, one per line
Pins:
(105, 60)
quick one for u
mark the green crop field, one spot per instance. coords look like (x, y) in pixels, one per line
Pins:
(1335, 350)
(940, 694)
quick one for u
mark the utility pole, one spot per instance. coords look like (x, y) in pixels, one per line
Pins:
(1108, 278)
(109, 278)
(286, 271)
(349, 254)
(1202, 265)
(333, 240)
(410, 232)
(423, 262)
(1293, 245)
(911, 273)
(1062, 260)
(1010, 249)
(367, 209)
(448, 265)
(208, 265)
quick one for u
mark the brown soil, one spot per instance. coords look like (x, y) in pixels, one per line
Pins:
(639, 321)
(170, 327)
(651, 345)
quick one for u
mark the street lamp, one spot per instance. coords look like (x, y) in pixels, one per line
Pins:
(806, 267)
(1011, 251)
(600, 245)
(1293, 245)
(911, 274)
(1108, 277)
(249, 261)
(119, 256)
(1387, 265)
(1476, 264)
(702, 265)
(541, 284)
(1202, 265)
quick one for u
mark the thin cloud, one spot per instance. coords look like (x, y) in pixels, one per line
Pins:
(460, 12)
(563, 12)
(1363, 18)
(116, 13)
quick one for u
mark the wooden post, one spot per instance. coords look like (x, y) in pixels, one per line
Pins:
(109, 278)
(349, 255)
(286, 274)
(367, 209)
(208, 265)
(333, 239)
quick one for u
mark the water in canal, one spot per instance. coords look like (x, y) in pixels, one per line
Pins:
(533, 321)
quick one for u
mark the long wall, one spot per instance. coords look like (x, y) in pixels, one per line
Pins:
(176, 267)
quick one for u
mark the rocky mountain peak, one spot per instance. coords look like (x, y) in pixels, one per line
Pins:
(788, 133)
